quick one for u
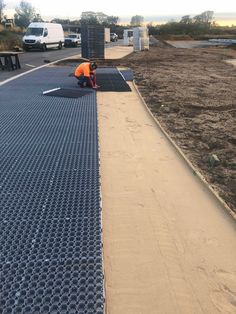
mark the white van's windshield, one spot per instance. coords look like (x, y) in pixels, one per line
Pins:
(34, 31)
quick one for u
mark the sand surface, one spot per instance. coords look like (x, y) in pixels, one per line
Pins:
(168, 246)
(117, 52)
(192, 93)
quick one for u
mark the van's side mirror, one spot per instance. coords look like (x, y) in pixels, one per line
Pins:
(45, 34)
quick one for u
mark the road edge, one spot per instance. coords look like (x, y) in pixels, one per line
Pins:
(30, 71)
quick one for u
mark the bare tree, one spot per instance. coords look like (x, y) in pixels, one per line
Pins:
(91, 17)
(112, 19)
(25, 13)
(186, 19)
(37, 18)
(136, 20)
(204, 18)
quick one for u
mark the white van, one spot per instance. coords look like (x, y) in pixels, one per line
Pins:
(43, 35)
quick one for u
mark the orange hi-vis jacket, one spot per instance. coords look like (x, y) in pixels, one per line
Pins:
(83, 69)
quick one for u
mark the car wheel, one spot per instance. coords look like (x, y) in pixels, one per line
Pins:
(60, 45)
(43, 47)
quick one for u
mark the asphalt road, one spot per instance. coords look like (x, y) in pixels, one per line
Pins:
(32, 59)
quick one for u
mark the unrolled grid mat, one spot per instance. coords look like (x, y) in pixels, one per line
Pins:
(67, 92)
(127, 74)
(109, 79)
(50, 216)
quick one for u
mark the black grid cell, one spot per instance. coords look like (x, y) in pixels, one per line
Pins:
(112, 81)
(127, 74)
(50, 215)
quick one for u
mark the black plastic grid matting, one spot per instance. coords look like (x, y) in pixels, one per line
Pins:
(127, 74)
(50, 215)
(110, 82)
(67, 92)
(110, 79)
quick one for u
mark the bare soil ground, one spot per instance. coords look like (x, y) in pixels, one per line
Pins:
(168, 244)
(192, 92)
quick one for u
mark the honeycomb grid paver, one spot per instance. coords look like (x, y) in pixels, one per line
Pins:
(50, 215)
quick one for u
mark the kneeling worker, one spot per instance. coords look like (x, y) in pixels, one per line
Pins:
(86, 74)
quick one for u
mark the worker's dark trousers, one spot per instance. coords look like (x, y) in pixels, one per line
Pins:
(83, 81)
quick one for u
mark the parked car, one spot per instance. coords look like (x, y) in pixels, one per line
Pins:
(43, 35)
(113, 36)
(72, 40)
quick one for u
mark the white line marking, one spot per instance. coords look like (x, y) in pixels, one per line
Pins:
(35, 69)
(51, 90)
(30, 65)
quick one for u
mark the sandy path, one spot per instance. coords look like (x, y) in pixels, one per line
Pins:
(168, 246)
(117, 52)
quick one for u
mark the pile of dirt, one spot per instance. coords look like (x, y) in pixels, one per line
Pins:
(192, 92)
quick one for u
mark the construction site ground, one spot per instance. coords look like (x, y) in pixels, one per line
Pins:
(169, 245)
(192, 93)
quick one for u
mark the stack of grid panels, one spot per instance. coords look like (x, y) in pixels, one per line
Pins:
(50, 214)
(92, 41)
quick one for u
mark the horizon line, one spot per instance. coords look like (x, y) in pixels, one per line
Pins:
(227, 17)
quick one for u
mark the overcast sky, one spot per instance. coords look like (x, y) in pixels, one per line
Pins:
(73, 8)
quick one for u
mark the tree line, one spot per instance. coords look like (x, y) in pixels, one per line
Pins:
(26, 13)
(200, 24)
